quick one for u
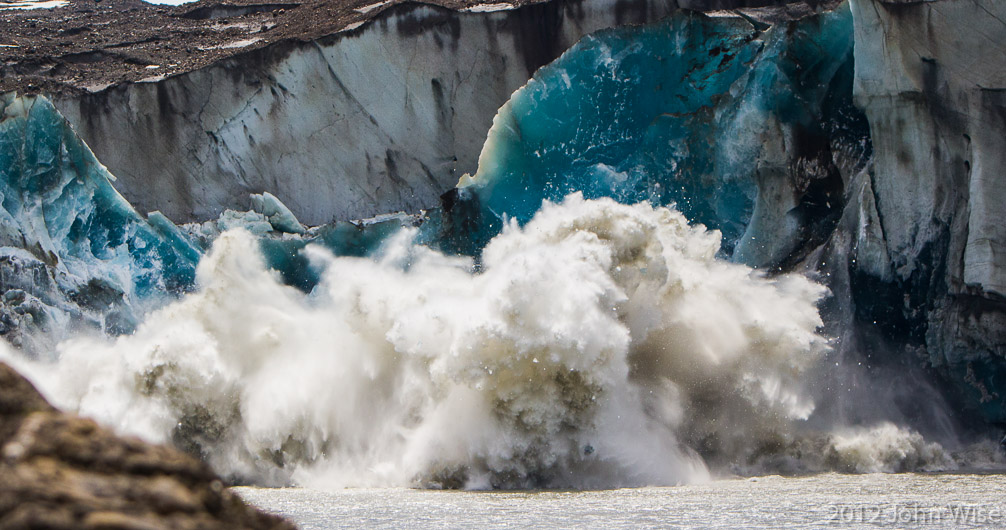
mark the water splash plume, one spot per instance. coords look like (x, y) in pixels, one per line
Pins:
(599, 345)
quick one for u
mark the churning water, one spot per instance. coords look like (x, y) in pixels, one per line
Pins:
(821, 501)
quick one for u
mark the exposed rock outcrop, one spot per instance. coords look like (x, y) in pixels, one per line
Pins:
(61, 471)
(89, 45)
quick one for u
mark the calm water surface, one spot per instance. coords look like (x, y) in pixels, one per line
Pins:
(822, 501)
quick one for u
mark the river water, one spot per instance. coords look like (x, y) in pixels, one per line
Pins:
(820, 501)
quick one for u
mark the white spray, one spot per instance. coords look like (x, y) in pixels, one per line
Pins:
(600, 345)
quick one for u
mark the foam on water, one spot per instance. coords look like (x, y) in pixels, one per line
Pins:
(887, 448)
(907, 500)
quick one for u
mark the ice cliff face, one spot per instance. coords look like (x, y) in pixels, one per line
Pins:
(371, 120)
(73, 252)
(280, 105)
(931, 77)
(746, 131)
(75, 257)
(752, 133)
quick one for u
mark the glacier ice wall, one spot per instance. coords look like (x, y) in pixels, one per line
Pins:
(743, 129)
(931, 77)
(76, 256)
(755, 133)
(368, 121)
(73, 252)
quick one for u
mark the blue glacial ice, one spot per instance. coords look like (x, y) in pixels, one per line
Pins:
(738, 127)
(75, 255)
(70, 245)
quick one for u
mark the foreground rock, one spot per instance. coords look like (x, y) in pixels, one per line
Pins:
(61, 471)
